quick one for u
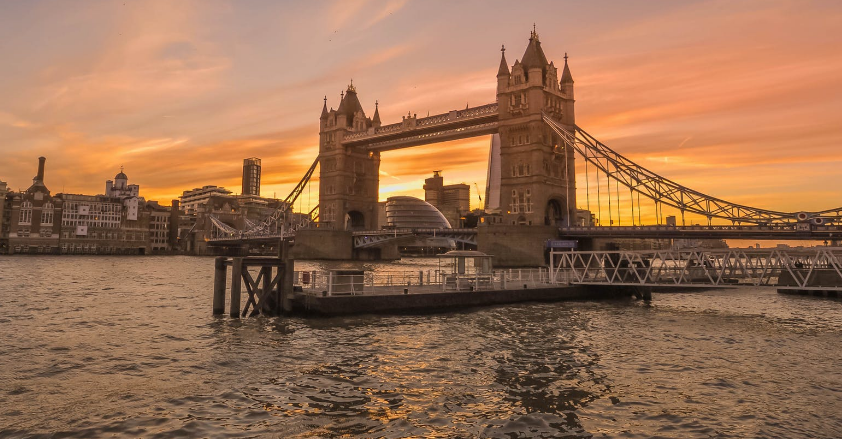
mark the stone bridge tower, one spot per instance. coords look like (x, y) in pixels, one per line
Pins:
(537, 185)
(348, 176)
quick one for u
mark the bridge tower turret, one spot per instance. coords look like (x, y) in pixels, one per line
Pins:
(537, 184)
(348, 176)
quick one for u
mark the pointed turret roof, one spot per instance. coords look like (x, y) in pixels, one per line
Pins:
(324, 109)
(566, 77)
(534, 56)
(376, 118)
(504, 66)
(350, 104)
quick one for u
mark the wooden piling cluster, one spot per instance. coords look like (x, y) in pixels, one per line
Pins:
(269, 293)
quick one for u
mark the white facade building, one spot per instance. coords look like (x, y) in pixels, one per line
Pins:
(192, 199)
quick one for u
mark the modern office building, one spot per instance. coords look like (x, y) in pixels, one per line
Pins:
(453, 201)
(192, 199)
(251, 176)
(411, 212)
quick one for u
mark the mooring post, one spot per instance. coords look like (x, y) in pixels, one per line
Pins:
(286, 282)
(236, 286)
(267, 284)
(421, 277)
(220, 271)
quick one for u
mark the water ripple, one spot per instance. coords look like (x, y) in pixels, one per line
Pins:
(122, 351)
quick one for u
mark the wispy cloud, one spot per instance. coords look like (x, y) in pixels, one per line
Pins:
(711, 94)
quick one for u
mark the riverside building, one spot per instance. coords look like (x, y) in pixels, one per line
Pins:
(118, 222)
(192, 199)
(34, 218)
(4, 217)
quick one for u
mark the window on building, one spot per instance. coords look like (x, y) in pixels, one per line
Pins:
(47, 214)
(515, 203)
(25, 213)
(527, 201)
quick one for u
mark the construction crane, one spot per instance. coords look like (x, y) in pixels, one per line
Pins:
(481, 206)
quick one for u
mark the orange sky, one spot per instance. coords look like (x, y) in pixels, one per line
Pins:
(741, 100)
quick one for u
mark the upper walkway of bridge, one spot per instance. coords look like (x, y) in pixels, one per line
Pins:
(412, 131)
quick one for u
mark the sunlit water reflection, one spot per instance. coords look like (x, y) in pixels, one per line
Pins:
(109, 346)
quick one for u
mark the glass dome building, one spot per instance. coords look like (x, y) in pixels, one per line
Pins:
(410, 213)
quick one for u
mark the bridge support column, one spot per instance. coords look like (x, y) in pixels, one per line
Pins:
(323, 244)
(515, 246)
(285, 286)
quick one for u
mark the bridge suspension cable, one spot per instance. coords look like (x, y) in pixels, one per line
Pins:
(263, 229)
(665, 191)
(288, 202)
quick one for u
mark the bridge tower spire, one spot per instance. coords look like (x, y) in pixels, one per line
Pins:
(537, 185)
(348, 175)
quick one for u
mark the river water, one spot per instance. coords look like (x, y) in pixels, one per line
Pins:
(127, 347)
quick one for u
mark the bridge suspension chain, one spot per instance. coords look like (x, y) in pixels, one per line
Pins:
(287, 204)
(665, 191)
(251, 229)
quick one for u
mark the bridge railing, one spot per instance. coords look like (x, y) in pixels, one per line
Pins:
(409, 231)
(423, 281)
(819, 267)
(766, 228)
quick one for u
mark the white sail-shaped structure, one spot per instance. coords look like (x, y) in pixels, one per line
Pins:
(492, 182)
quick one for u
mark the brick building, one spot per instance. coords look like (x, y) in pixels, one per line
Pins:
(119, 222)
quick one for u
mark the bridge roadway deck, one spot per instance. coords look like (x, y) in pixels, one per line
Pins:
(365, 238)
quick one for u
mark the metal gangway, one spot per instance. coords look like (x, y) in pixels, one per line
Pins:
(815, 268)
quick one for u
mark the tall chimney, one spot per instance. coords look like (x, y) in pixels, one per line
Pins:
(40, 176)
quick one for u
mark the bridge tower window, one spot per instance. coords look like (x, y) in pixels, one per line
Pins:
(514, 201)
(527, 201)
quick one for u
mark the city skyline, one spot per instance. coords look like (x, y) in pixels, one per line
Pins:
(710, 94)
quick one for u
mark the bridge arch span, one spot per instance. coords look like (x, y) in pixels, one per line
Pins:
(355, 220)
(554, 211)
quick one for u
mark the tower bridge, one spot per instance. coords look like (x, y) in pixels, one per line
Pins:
(541, 181)
(535, 147)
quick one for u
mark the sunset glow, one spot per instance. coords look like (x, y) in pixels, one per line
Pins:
(739, 100)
